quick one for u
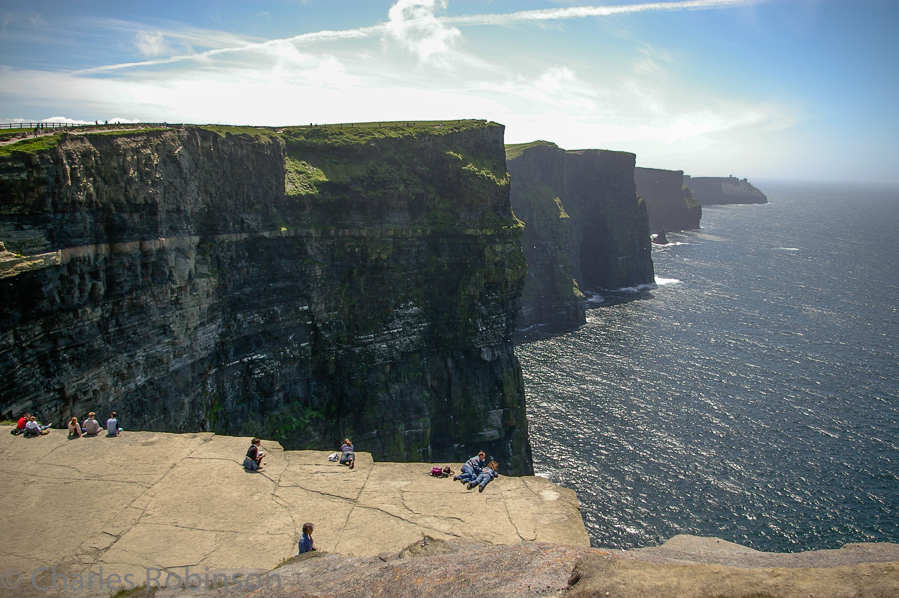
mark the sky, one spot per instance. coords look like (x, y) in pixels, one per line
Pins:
(778, 89)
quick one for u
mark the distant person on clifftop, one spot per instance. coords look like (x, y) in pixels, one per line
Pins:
(254, 456)
(307, 544)
(74, 428)
(90, 427)
(487, 474)
(472, 468)
(112, 426)
(348, 453)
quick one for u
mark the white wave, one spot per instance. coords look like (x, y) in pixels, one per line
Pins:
(786, 249)
(595, 299)
(663, 281)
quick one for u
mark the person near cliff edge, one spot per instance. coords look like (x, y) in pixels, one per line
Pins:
(32, 428)
(347, 453)
(112, 425)
(307, 544)
(487, 474)
(90, 427)
(472, 468)
(74, 428)
(20, 426)
(254, 456)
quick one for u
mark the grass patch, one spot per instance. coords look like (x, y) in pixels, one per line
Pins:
(514, 150)
(360, 133)
(8, 134)
(224, 130)
(125, 133)
(31, 146)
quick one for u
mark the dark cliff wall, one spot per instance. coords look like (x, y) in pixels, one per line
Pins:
(711, 191)
(585, 229)
(306, 285)
(668, 201)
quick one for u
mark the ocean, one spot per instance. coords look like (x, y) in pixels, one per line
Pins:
(751, 394)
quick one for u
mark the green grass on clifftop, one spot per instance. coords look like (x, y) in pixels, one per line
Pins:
(514, 150)
(31, 146)
(223, 130)
(359, 133)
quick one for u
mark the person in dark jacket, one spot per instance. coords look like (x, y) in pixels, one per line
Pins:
(254, 455)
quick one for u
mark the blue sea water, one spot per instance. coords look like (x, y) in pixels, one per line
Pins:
(752, 395)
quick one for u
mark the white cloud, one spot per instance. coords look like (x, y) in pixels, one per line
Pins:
(151, 44)
(580, 12)
(414, 25)
(358, 75)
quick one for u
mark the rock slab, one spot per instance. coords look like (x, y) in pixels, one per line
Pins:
(170, 501)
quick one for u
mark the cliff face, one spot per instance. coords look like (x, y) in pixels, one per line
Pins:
(723, 190)
(668, 201)
(585, 229)
(304, 285)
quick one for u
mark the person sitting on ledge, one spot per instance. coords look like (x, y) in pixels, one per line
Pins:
(20, 426)
(32, 428)
(472, 468)
(307, 544)
(254, 456)
(90, 427)
(74, 428)
(484, 478)
(112, 426)
(348, 453)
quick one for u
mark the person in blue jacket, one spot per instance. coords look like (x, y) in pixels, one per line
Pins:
(484, 478)
(306, 542)
(472, 468)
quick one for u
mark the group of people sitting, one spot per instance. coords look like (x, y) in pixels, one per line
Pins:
(477, 472)
(29, 426)
(91, 427)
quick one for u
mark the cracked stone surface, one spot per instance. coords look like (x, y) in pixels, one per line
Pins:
(166, 501)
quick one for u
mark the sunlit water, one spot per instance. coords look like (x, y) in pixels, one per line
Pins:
(751, 396)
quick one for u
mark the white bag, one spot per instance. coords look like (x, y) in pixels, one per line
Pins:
(333, 456)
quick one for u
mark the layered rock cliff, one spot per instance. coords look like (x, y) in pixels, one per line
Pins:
(585, 229)
(723, 190)
(303, 284)
(668, 201)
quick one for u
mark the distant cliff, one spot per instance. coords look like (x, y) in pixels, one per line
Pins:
(723, 190)
(303, 284)
(585, 229)
(668, 201)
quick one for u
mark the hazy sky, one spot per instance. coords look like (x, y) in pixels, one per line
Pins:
(796, 89)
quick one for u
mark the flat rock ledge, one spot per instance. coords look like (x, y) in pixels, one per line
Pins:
(180, 508)
(169, 501)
